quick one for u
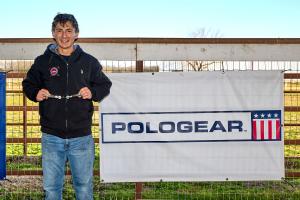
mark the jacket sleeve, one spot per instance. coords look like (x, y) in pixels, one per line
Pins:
(99, 82)
(32, 82)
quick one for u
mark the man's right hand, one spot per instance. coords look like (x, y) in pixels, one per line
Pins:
(42, 95)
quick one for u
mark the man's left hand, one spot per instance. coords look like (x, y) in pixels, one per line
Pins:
(85, 93)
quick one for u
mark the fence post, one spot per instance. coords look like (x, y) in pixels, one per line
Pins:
(138, 190)
(139, 66)
(139, 186)
(24, 125)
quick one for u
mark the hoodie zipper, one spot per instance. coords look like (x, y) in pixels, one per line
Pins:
(53, 49)
(67, 84)
(66, 101)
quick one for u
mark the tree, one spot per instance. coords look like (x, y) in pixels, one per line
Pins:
(203, 65)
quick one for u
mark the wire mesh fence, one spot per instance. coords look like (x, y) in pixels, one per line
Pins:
(23, 151)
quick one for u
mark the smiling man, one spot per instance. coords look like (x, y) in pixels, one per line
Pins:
(65, 80)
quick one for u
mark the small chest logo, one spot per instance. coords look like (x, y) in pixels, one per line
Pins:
(54, 71)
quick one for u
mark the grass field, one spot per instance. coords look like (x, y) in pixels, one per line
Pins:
(268, 190)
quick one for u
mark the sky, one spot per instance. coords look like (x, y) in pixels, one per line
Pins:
(155, 18)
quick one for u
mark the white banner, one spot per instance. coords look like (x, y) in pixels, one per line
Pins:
(193, 126)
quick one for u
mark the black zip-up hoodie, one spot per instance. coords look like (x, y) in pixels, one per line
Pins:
(66, 118)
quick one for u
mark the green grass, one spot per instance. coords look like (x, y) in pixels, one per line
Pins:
(21, 195)
(271, 190)
(292, 150)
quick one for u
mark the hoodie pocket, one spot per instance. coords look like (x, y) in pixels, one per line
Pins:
(52, 110)
(80, 110)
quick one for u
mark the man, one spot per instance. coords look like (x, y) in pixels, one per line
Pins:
(65, 80)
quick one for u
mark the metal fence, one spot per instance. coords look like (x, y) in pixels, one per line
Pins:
(23, 162)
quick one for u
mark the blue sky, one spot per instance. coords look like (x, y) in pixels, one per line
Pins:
(154, 18)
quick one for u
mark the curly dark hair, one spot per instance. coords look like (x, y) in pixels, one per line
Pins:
(63, 18)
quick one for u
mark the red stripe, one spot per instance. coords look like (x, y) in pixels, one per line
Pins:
(270, 129)
(254, 136)
(277, 129)
(262, 130)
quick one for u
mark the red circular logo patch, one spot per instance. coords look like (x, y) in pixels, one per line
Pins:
(53, 71)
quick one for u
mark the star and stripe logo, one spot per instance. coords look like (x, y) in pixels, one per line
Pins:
(266, 125)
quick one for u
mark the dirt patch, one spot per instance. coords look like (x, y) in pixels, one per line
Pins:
(21, 183)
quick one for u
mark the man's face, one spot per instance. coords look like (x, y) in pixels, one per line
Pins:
(65, 35)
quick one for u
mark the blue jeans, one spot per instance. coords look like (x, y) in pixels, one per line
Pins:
(80, 153)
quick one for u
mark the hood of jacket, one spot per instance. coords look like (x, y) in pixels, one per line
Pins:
(52, 49)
